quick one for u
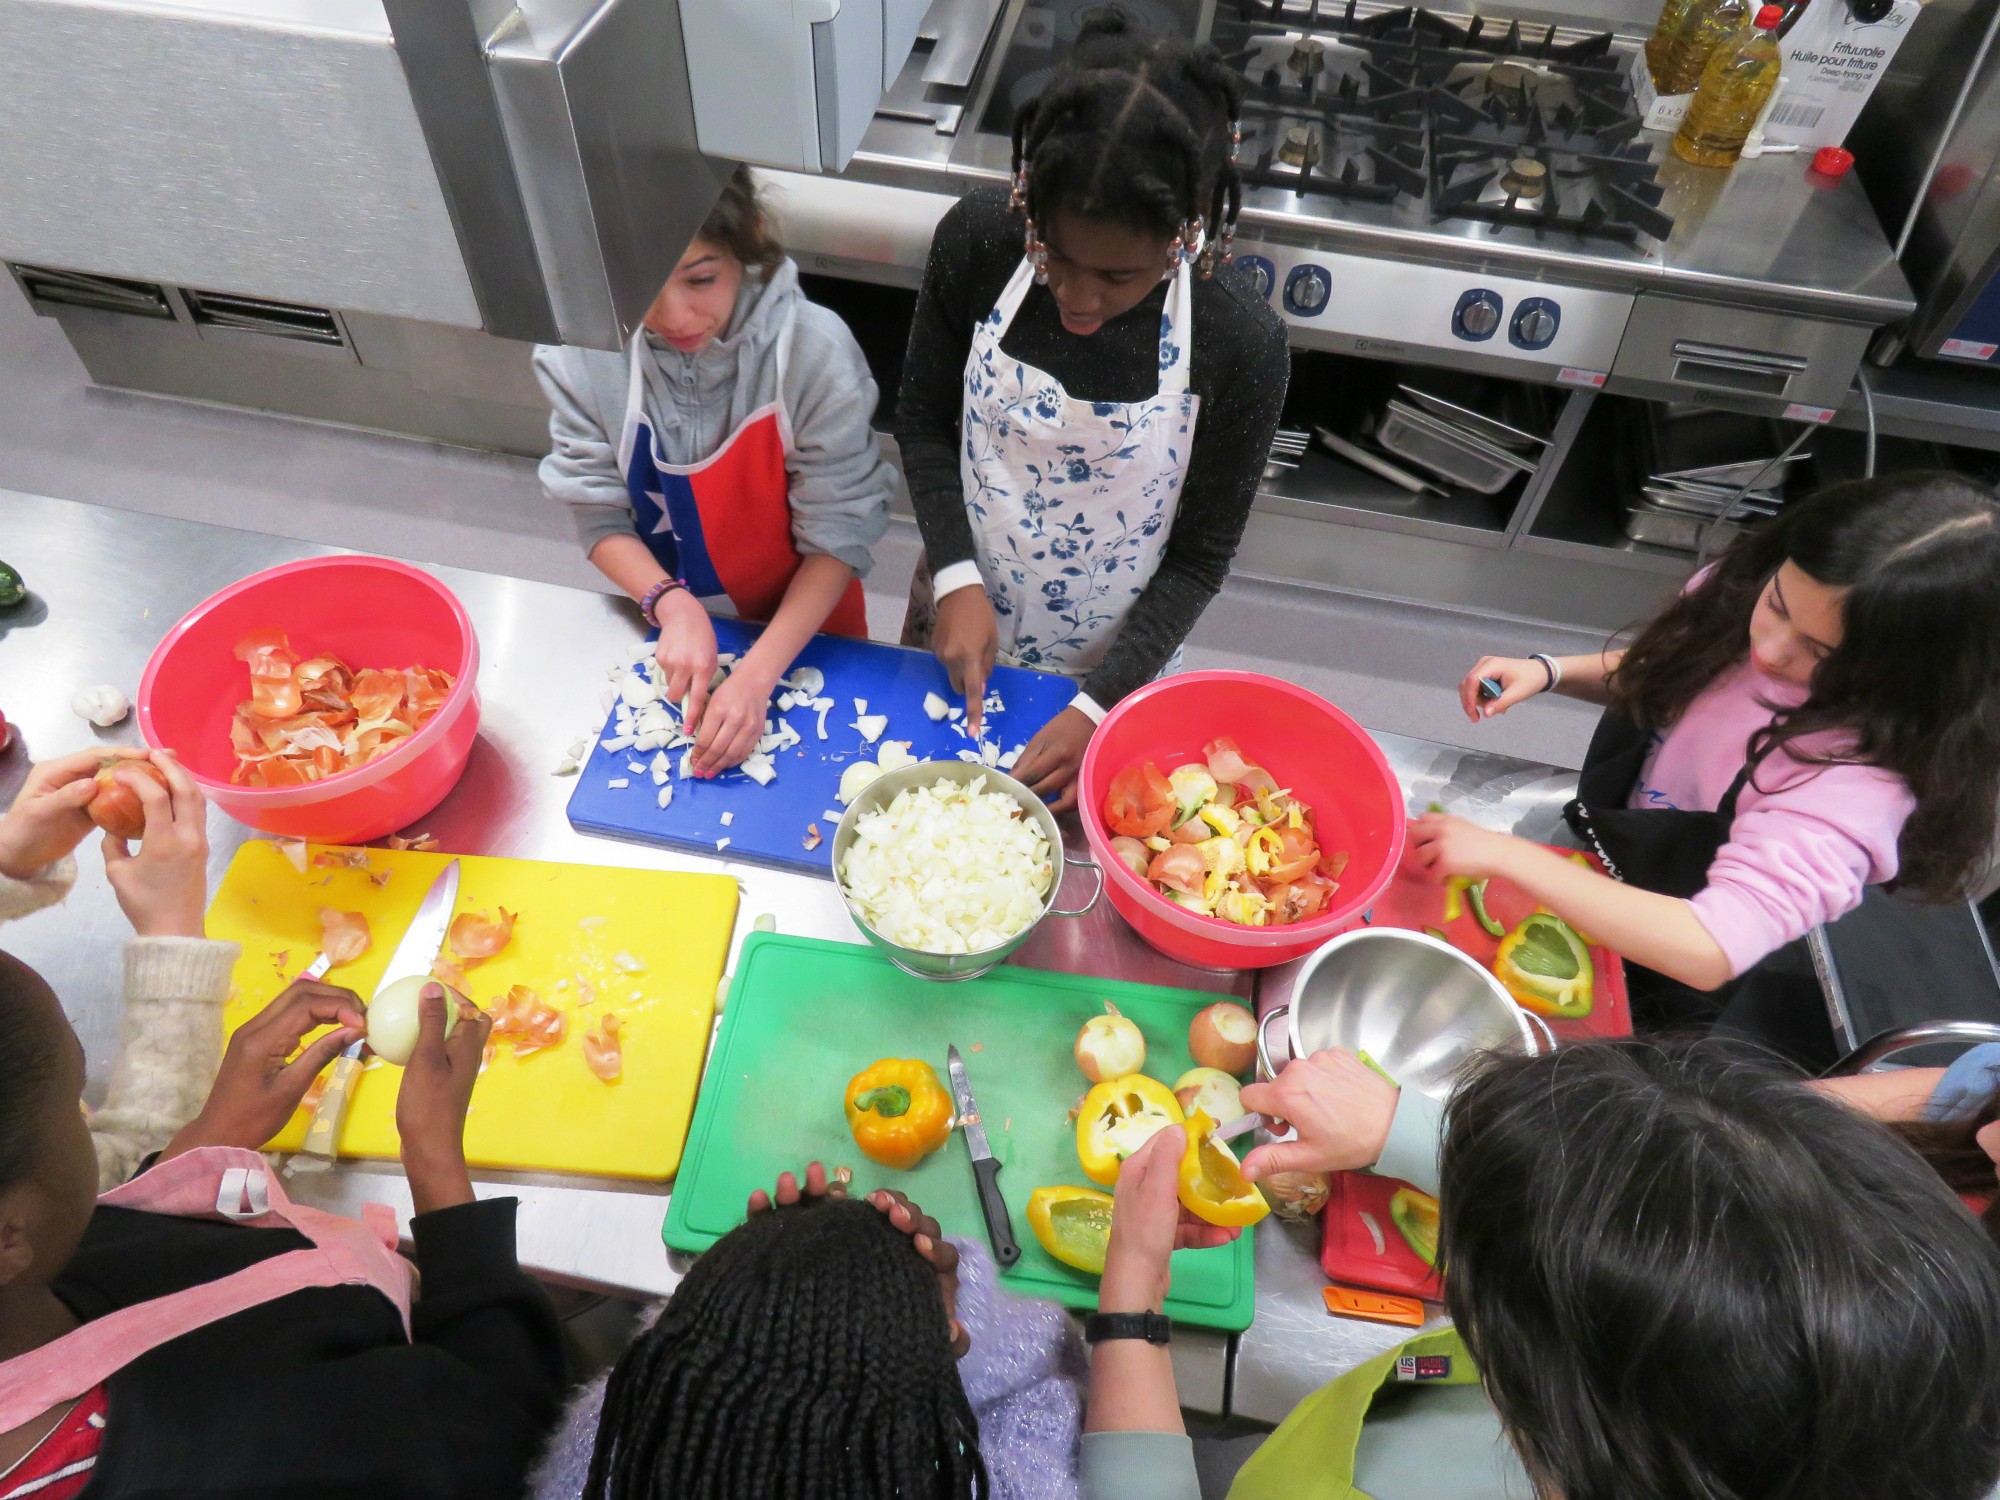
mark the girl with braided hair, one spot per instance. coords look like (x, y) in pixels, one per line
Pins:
(1090, 391)
(829, 1349)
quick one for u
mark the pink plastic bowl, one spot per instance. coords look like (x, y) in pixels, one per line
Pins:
(368, 611)
(1302, 740)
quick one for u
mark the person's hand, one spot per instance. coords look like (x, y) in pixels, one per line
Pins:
(1519, 679)
(1445, 845)
(686, 651)
(163, 889)
(1148, 1225)
(261, 1080)
(733, 720)
(818, 1185)
(430, 1107)
(1050, 763)
(938, 1253)
(966, 639)
(1339, 1106)
(47, 819)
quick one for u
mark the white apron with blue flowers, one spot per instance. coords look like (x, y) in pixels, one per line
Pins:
(1072, 501)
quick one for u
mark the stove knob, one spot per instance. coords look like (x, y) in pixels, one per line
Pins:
(1307, 291)
(1477, 317)
(1263, 275)
(1535, 323)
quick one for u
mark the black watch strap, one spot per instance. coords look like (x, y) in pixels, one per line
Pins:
(1154, 1328)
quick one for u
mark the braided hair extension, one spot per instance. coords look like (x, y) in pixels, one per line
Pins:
(1138, 129)
(806, 1357)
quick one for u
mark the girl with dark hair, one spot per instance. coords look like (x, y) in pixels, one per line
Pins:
(1090, 392)
(1678, 1272)
(725, 464)
(831, 1350)
(1817, 713)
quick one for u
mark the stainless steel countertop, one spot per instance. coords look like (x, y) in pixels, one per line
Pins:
(1763, 234)
(108, 584)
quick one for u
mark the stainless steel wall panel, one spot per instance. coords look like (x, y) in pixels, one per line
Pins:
(275, 155)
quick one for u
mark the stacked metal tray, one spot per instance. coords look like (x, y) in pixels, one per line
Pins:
(1462, 446)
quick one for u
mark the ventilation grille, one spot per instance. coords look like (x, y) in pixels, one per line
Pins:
(139, 299)
(282, 320)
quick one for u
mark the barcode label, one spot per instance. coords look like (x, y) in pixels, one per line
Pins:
(1805, 116)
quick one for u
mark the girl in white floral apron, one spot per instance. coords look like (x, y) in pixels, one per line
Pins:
(1089, 467)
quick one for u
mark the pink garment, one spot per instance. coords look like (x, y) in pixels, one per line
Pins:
(1806, 839)
(219, 1182)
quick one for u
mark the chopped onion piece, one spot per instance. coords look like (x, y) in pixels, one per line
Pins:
(617, 782)
(627, 962)
(566, 767)
(935, 707)
(893, 755)
(948, 868)
(666, 796)
(728, 818)
(871, 726)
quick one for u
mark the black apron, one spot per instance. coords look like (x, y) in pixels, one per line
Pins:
(1778, 1001)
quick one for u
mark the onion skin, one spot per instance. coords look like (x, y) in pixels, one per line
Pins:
(1297, 1196)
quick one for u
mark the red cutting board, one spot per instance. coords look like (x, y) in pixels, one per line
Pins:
(1348, 1250)
(1415, 899)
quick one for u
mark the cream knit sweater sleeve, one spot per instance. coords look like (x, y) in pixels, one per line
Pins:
(170, 1037)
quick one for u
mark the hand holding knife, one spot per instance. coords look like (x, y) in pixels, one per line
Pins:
(985, 1170)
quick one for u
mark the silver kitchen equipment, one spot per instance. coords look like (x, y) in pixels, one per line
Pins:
(1659, 527)
(1374, 463)
(1491, 429)
(1417, 1006)
(985, 1168)
(1449, 451)
(883, 790)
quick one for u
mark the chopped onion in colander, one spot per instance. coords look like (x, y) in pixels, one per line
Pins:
(948, 868)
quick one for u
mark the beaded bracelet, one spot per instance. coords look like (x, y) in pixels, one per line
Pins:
(1549, 665)
(652, 597)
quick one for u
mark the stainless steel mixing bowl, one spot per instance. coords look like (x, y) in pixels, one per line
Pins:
(1417, 1006)
(883, 790)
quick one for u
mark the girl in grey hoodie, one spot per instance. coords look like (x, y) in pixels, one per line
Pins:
(724, 463)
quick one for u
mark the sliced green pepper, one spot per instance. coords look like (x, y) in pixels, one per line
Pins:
(1477, 895)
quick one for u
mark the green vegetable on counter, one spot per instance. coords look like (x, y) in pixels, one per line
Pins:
(12, 590)
(1477, 895)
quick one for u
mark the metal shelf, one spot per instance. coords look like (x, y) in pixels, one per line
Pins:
(1325, 488)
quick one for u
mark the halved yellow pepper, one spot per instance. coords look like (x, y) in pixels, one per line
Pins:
(1073, 1224)
(1213, 1186)
(1545, 965)
(1118, 1117)
(898, 1111)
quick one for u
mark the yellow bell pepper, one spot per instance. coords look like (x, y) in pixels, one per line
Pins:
(1266, 848)
(1118, 1117)
(1415, 1215)
(898, 1111)
(1454, 898)
(1545, 965)
(1073, 1224)
(1212, 1183)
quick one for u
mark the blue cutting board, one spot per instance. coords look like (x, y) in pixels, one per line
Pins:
(768, 824)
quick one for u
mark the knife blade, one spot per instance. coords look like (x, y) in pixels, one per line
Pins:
(985, 1170)
(416, 951)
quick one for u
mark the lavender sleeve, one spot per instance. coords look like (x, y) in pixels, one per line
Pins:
(1800, 855)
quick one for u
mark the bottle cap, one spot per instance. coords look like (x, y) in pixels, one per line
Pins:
(1769, 18)
(1832, 161)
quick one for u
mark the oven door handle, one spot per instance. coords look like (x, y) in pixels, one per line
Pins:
(1740, 359)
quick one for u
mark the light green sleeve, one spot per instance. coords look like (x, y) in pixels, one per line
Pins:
(1139, 1466)
(1416, 1132)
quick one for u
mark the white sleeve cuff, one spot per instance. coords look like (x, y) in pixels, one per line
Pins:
(1088, 706)
(959, 575)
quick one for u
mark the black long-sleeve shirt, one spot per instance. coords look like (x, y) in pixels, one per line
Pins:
(318, 1393)
(1239, 368)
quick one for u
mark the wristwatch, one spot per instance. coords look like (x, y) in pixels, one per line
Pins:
(1154, 1328)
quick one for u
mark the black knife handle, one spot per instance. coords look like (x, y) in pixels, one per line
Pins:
(999, 1228)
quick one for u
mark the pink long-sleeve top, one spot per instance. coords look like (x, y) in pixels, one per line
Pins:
(1805, 840)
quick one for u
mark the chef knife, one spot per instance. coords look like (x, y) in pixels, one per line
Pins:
(985, 1170)
(421, 943)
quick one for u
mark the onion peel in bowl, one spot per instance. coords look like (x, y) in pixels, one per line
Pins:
(475, 935)
(344, 935)
(306, 720)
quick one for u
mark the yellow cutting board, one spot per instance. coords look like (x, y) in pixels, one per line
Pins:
(546, 1111)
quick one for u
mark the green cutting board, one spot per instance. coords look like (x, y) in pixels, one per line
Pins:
(805, 1016)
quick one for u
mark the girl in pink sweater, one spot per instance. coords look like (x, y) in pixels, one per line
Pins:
(1817, 713)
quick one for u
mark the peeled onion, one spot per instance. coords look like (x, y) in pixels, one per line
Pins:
(1224, 1036)
(1211, 1091)
(393, 1017)
(1109, 1046)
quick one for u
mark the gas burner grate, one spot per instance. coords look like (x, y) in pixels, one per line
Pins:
(1408, 103)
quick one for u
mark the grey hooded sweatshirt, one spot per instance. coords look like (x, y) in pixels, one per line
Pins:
(840, 483)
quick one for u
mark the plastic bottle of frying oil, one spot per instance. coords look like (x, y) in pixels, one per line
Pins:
(1704, 25)
(1735, 85)
(1660, 45)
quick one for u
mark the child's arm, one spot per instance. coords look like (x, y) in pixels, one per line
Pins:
(733, 720)
(1581, 677)
(176, 980)
(1661, 932)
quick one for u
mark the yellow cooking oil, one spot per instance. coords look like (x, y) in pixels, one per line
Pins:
(1703, 27)
(1735, 86)
(1660, 45)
